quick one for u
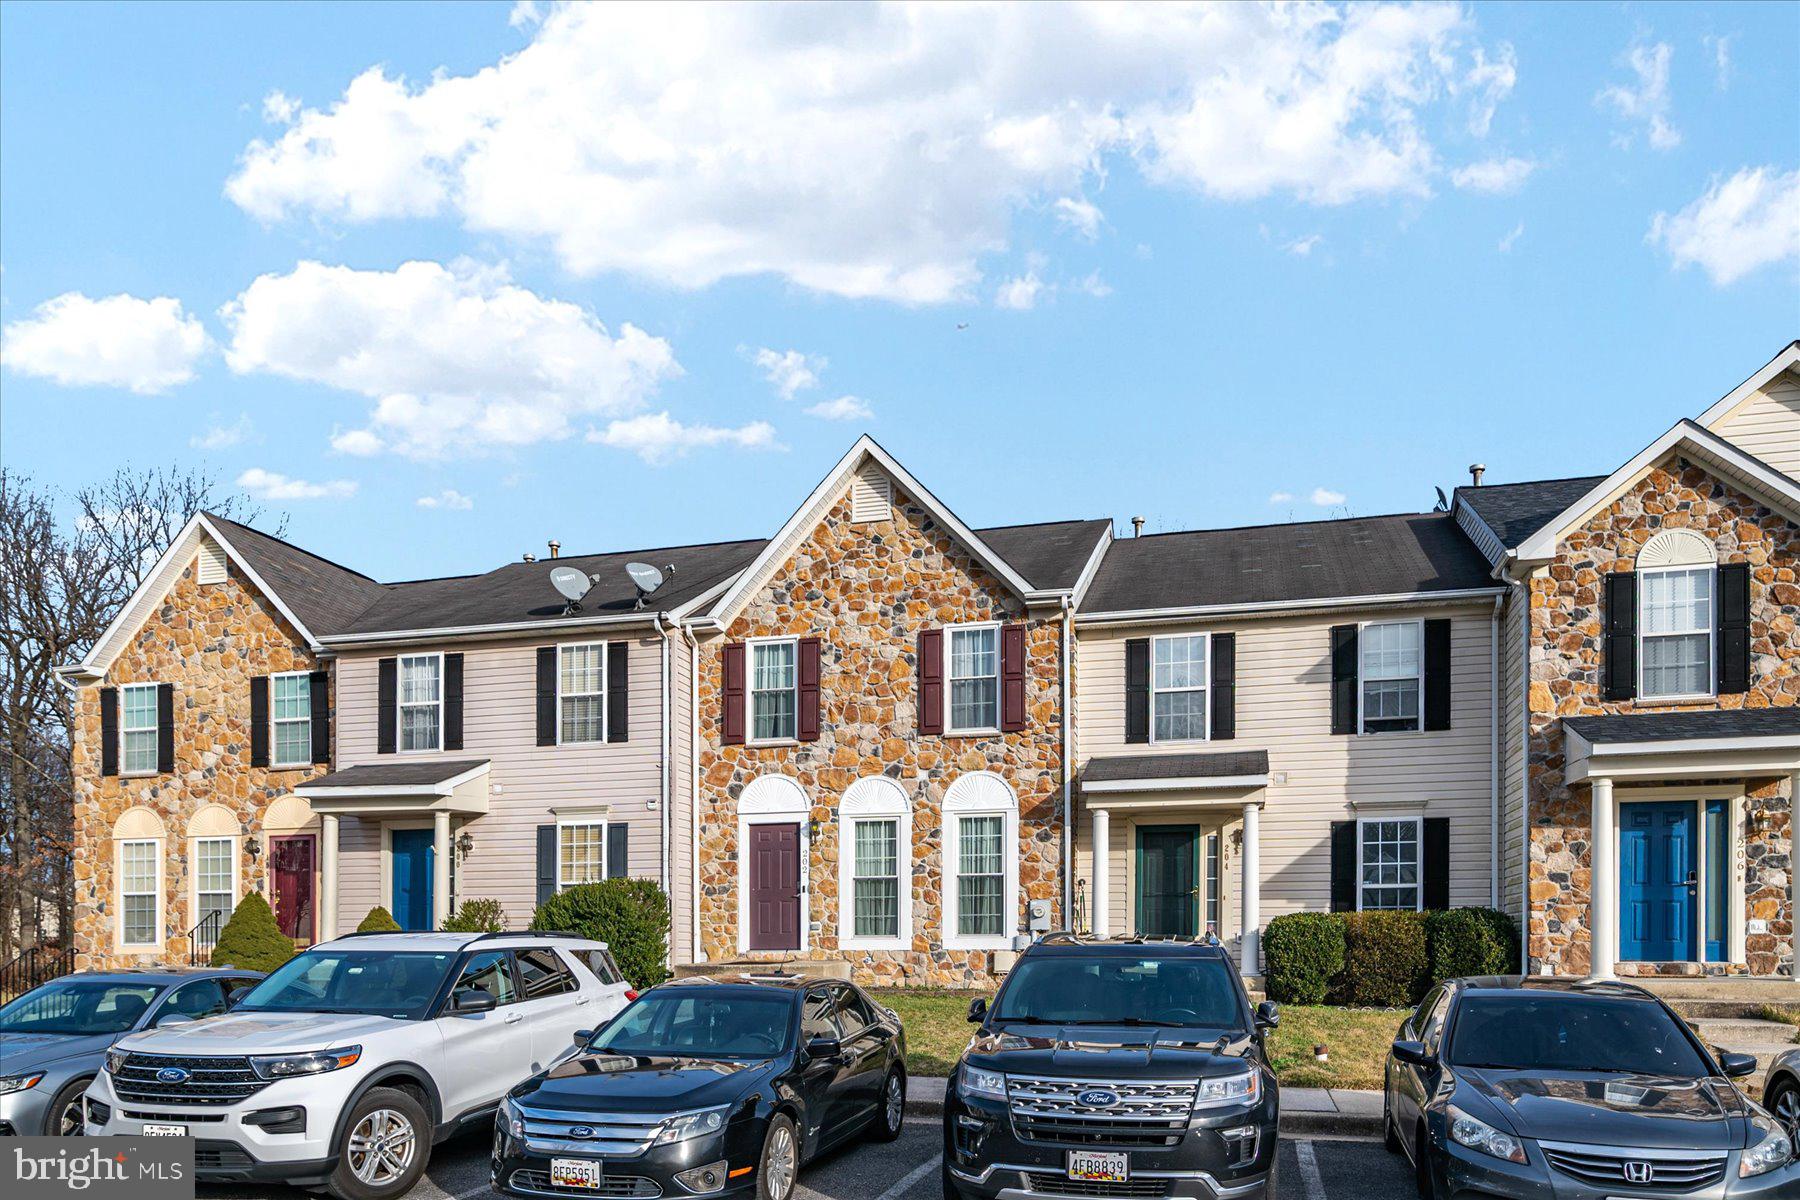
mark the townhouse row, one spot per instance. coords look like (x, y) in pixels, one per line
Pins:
(881, 736)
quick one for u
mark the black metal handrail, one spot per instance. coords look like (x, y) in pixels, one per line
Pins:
(203, 937)
(40, 964)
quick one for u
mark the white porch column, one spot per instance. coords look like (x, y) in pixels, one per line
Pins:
(1794, 866)
(1250, 928)
(328, 876)
(1603, 883)
(1102, 853)
(440, 868)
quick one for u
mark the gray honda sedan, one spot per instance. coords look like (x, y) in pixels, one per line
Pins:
(54, 1037)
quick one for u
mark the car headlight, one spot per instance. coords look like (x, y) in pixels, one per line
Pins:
(1479, 1135)
(979, 1081)
(509, 1119)
(18, 1083)
(1773, 1148)
(316, 1062)
(690, 1125)
(115, 1060)
(1243, 1088)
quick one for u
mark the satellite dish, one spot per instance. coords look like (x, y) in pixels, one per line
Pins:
(571, 583)
(645, 578)
(1443, 504)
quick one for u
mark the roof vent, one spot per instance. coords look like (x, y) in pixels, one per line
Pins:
(1476, 471)
(528, 556)
(1137, 527)
(211, 568)
(871, 495)
(555, 547)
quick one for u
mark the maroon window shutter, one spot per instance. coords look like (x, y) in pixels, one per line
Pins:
(733, 726)
(931, 681)
(808, 716)
(1012, 678)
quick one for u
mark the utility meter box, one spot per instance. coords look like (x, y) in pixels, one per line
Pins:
(1038, 913)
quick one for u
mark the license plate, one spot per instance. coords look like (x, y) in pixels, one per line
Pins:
(575, 1173)
(163, 1131)
(1098, 1166)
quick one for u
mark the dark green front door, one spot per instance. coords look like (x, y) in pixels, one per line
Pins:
(1168, 880)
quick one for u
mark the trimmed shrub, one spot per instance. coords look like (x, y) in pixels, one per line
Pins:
(1385, 960)
(251, 939)
(477, 916)
(379, 920)
(1471, 941)
(630, 915)
(1302, 954)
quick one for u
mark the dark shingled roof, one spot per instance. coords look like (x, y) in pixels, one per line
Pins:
(1310, 560)
(1515, 511)
(1176, 766)
(1686, 726)
(321, 593)
(1049, 555)
(421, 772)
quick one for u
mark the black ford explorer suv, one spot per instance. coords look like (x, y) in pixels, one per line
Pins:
(1125, 1068)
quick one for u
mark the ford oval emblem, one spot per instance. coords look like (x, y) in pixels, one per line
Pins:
(172, 1075)
(1097, 1098)
(582, 1131)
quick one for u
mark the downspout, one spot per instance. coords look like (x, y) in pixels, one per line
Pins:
(694, 794)
(1525, 777)
(664, 767)
(1068, 822)
(1494, 755)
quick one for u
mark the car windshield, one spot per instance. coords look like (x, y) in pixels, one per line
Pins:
(385, 983)
(1121, 990)
(701, 1025)
(79, 1007)
(1550, 1032)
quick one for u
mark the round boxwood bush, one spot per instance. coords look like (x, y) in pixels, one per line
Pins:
(1385, 960)
(1471, 941)
(251, 939)
(1302, 954)
(477, 916)
(630, 915)
(379, 920)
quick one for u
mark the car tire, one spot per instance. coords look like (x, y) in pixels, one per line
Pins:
(385, 1148)
(1389, 1137)
(1784, 1101)
(1422, 1166)
(890, 1114)
(67, 1099)
(778, 1167)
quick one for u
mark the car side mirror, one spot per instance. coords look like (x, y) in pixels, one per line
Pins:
(583, 1036)
(1267, 1015)
(1736, 1066)
(1411, 1053)
(236, 995)
(171, 1018)
(824, 1047)
(475, 1000)
(978, 1010)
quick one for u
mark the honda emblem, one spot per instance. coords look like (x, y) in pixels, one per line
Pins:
(1638, 1172)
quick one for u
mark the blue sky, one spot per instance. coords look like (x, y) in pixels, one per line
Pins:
(520, 263)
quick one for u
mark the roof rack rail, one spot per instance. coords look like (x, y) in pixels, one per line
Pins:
(547, 933)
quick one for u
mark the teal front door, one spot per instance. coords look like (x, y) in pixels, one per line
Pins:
(1659, 882)
(411, 873)
(1168, 880)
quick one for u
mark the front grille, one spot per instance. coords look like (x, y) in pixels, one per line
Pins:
(1150, 1113)
(184, 1118)
(1061, 1185)
(613, 1135)
(634, 1186)
(210, 1080)
(221, 1156)
(1670, 1170)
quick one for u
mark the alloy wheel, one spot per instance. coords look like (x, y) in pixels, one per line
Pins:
(1787, 1109)
(382, 1147)
(896, 1102)
(782, 1163)
(70, 1122)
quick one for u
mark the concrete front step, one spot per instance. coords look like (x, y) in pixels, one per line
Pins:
(812, 968)
(1717, 1010)
(1761, 990)
(1745, 1032)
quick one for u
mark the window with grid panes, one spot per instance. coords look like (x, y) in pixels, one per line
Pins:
(974, 679)
(139, 865)
(875, 881)
(1390, 864)
(981, 876)
(293, 720)
(137, 728)
(582, 692)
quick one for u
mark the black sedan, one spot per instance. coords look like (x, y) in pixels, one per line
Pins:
(708, 1087)
(1509, 1087)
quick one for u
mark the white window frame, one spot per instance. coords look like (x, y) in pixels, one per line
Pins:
(155, 894)
(194, 892)
(750, 690)
(1418, 884)
(874, 798)
(604, 693)
(599, 823)
(1206, 687)
(275, 723)
(1362, 631)
(979, 794)
(950, 631)
(154, 729)
(1711, 632)
(401, 705)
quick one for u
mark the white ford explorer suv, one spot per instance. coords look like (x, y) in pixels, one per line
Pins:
(347, 1063)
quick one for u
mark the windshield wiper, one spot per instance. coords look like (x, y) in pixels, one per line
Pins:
(998, 1020)
(1133, 1021)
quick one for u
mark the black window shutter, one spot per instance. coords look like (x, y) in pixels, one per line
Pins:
(1224, 686)
(618, 691)
(1343, 866)
(165, 728)
(546, 696)
(1621, 635)
(453, 702)
(1137, 690)
(259, 720)
(1343, 679)
(387, 697)
(1436, 849)
(1437, 674)
(109, 731)
(318, 691)
(1734, 628)
(618, 864)
(546, 862)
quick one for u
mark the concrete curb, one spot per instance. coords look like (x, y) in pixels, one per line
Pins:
(1318, 1124)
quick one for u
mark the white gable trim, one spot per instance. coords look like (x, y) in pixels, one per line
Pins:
(1787, 360)
(1783, 493)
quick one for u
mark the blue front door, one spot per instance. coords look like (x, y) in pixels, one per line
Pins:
(411, 871)
(1658, 874)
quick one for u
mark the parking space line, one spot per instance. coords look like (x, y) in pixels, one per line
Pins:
(1310, 1179)
(907, 1180)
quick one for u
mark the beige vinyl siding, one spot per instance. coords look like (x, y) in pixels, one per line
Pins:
(1513, 623)
(1768, 425)
(528, 780)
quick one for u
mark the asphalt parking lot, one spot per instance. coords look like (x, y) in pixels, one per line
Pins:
(1311, 1169)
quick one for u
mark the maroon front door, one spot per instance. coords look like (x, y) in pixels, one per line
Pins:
(291, 859)
(774, 887)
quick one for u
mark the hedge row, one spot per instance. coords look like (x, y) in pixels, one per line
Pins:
(1383, 959)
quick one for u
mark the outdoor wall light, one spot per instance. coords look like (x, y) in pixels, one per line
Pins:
(812, 830)
(253, 848)
(465, 843)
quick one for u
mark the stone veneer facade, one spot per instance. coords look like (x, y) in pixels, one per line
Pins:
(1566, 681)
(207, 640)
(866, 590)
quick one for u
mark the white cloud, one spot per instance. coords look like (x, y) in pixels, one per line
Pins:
(279, 108)
(1080, 214)
(148, 346)
(223, 437)
(1496, 175)
(844, 408)
(1280, 497)
(658, 438)
(789, 371)
(1646, 101)
(458, 359)
(1092, 285)
(1303, 247)
(1738, 225)
(1325, 497)
(1511, 239)
(267, 485)
(525, 14)
(449, 498)
(1020, 293)
(1721, 52)
(688, 144)
(1488, 83)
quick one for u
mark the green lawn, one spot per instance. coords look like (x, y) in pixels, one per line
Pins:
(1356, 1039)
